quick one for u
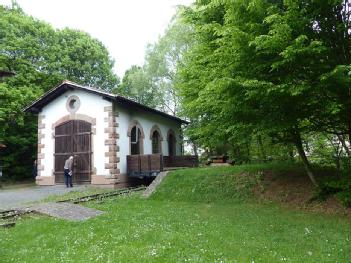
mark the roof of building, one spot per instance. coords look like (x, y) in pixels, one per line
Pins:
(66, 85)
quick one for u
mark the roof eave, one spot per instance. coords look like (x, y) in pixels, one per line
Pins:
(50, 95)
(139, 105)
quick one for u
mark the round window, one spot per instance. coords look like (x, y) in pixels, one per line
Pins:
(73, 104)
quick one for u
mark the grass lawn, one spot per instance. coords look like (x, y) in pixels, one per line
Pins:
(7, 185)
(197, 215)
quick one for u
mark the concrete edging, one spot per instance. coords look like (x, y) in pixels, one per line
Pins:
(152, 187)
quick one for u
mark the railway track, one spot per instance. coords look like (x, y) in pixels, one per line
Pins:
(8, 217)
(13, 213)
(103, 195)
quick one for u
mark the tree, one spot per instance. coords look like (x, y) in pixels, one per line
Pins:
(136, 85)
(163, 59)
(154, 83)
(84, 59)
(41, 57)
(261, 65)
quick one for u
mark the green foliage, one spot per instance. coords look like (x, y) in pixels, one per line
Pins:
(41, 57)
(137, 85)
(259, 68)
(163, 58)
(339, 187)
(154, 84)
(84, 59)
(344, 197)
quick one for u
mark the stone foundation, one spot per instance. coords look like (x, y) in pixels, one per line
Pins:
(45, 180)
(103, 180)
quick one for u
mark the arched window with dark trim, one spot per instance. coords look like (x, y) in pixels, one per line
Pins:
(135, 136)
(171, 143)
(156, 142)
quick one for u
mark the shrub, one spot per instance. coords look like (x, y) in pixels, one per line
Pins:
(340, 187)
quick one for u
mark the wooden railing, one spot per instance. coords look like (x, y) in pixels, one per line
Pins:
(180, 161)
(144, 165)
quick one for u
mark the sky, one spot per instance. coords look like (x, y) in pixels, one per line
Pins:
(125, 27)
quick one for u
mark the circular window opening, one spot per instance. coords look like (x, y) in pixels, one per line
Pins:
(73, 104)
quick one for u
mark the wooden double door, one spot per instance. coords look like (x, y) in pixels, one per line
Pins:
(73, 138)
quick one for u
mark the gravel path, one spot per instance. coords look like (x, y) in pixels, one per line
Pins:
(17, 198)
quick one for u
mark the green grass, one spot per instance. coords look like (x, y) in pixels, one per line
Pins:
(9, 185)
(217, 184)
(216, 225)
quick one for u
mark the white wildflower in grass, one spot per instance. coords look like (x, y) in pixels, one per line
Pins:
(307, 231)
(309, 253)
(283, 259)
(153, 252)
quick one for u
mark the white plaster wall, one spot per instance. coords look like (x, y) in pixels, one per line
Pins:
(147, 120)
(91, 105)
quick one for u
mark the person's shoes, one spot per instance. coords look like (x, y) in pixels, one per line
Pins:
(71, 185)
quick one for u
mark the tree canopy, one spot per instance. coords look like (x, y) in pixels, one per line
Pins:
(268, 67)
(42, 57)
(154, 83)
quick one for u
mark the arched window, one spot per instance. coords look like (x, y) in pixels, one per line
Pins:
(156, 143)
(156, 139)
(171, 143)
(135, 141)
(136, 138)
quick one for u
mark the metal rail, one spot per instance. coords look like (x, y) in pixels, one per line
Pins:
(103, 195)
(11, 215)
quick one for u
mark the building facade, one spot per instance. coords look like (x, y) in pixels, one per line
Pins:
(100, 130)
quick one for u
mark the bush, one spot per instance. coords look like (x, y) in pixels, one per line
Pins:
(344, 197)
(339, 187)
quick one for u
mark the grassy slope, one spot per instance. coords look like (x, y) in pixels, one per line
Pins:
(216, 184)
(215, 226)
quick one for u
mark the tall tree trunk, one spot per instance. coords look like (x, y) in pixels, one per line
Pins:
(248, 158)
(291, 152)
(195, 149)
(343, 143)
(298, 143)
(349, 133)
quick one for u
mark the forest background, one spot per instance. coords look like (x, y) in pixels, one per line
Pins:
(259, 80)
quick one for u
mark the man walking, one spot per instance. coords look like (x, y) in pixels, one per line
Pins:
(68, 171)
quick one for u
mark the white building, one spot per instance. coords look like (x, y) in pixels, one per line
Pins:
(100, 129)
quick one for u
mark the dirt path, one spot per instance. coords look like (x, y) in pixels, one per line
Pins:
(17, 198)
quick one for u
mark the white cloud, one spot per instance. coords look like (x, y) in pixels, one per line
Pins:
(125, 27)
